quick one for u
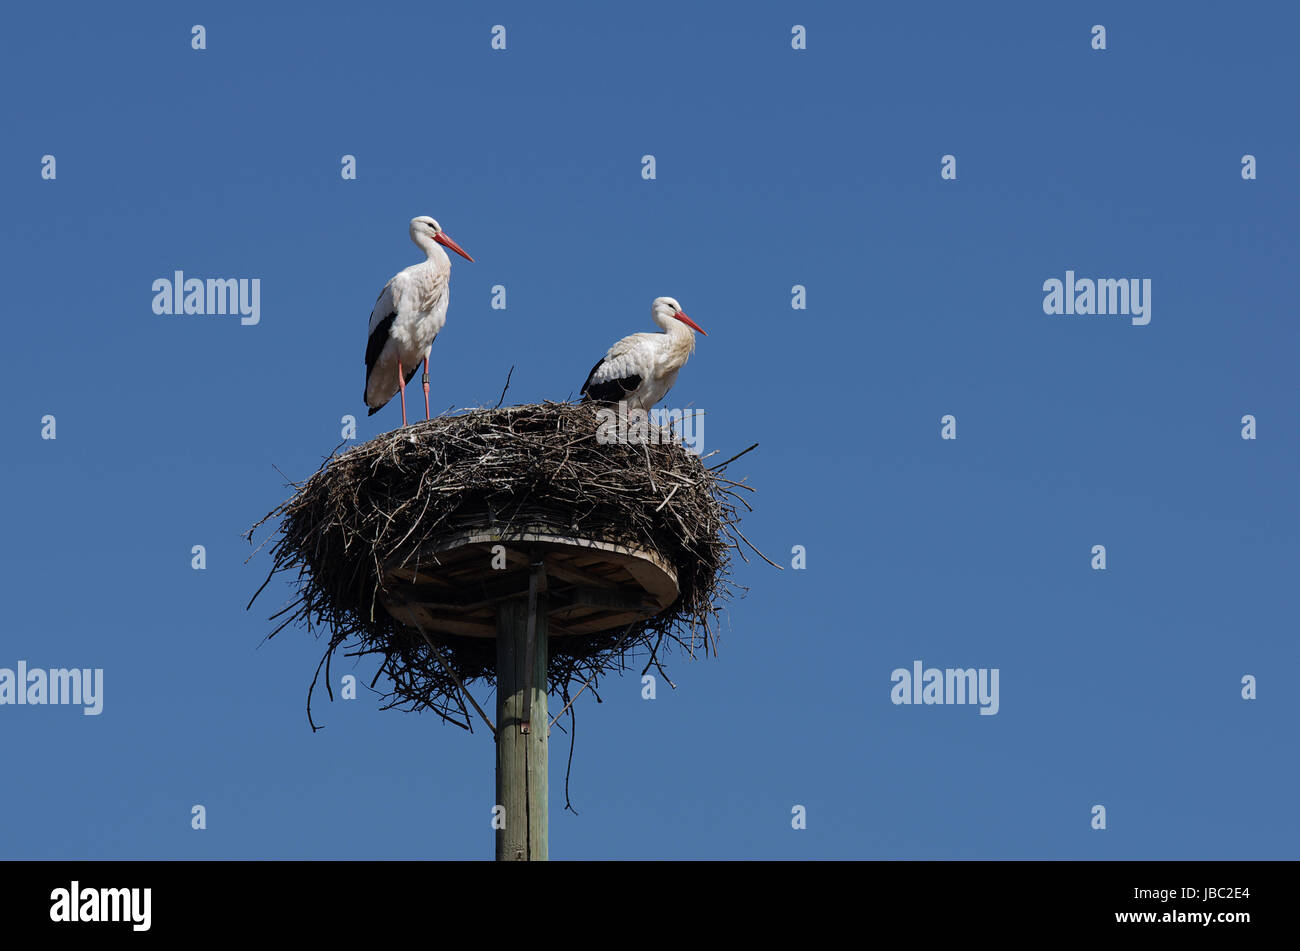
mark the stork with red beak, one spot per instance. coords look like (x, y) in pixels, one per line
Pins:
(641, 369)
(410, 312)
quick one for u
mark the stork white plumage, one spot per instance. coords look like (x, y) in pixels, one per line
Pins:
(640, 369)
(408, 315)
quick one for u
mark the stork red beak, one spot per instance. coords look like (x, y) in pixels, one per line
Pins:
(689, 323)
(446, 242)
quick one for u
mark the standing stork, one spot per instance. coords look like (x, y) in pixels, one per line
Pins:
(410, 312)
(641, 368)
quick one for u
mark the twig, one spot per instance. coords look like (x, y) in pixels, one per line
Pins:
(722, 465)
(585, 685)
(668, 499)
(756, 551)
(573, 733)
(447, 667)
(506, 387)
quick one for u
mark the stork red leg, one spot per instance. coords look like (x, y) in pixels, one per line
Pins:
(401, 388)
(426, 387)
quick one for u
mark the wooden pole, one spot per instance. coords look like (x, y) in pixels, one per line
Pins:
(521, 744)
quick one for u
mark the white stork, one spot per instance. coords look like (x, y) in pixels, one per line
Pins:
(410, 312)
(640, 369)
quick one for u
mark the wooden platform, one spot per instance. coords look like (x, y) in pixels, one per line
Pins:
(591, 585)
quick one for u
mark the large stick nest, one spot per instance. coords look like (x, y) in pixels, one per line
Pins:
(382, 502)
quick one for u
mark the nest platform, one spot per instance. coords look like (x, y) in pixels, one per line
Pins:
(407, 546)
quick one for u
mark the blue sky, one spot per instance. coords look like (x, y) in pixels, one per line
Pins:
(774, 167)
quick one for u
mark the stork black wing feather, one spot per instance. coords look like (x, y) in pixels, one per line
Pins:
(375, 345)
(373, 349)
(591, 374)
(611, 391)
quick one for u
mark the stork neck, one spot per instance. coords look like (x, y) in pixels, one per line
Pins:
(681, 341)
(672, 326)
(436, 256)
(432, 250)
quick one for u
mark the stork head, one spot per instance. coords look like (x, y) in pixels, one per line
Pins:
(666, 309)
(424, 230)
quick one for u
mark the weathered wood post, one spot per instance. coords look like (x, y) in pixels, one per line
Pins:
(552, 587)
(522, 723)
